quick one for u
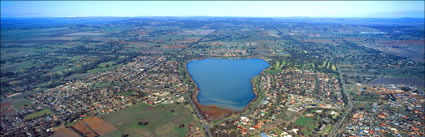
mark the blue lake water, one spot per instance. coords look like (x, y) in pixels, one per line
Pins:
(225, 83)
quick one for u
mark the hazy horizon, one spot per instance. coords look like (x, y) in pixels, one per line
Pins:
(209, 17)
(268, 9)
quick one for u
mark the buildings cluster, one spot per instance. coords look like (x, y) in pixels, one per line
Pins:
(399, 111)
(227, 52)
(308, 89)
(150, 79)
(291, 90)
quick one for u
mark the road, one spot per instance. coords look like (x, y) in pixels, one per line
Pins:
(333, 132)
(201, 119)
(261, 92)
(349, 106)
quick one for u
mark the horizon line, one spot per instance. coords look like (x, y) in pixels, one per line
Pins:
(2, 16)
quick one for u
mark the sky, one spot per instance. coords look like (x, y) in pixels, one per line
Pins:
(357, 9)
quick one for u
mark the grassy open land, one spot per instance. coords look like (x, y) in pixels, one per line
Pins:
(128, 93)
(58, 68)
(328, 129)
(102, 67)
(105, 84)
(162, 121)
(116, 133)
(19, 104)
(38, 114)
(305, 122)
(276, 130)
(287, 115)
(416, 73)
(362, 105)
(309, 125)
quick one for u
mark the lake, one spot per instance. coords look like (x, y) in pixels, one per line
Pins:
(225, 83)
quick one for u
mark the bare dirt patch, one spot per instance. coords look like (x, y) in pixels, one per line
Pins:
(211, 112)
(4, 112)
(403, 42)
(214, 112)
(199, 31)
(177, 46)
(83, 130)
(190, 40)
(64, 132)
(100, 126)
(5, 105)
(213, 43)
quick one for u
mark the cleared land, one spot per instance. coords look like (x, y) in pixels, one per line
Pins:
(305, 122)
(38, 114)
(162, 121)
(99, 126)
(64, 132)
(83, 130)
(406, 81)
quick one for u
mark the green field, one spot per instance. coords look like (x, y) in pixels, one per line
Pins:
(305, 122)
(328, 129)
(38, 114)
(102, 67)
(103, 84)
(307, 133)
(127, 94)
(19, 104)
(162, 122)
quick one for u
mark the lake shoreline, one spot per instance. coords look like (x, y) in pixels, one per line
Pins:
(214, 112)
